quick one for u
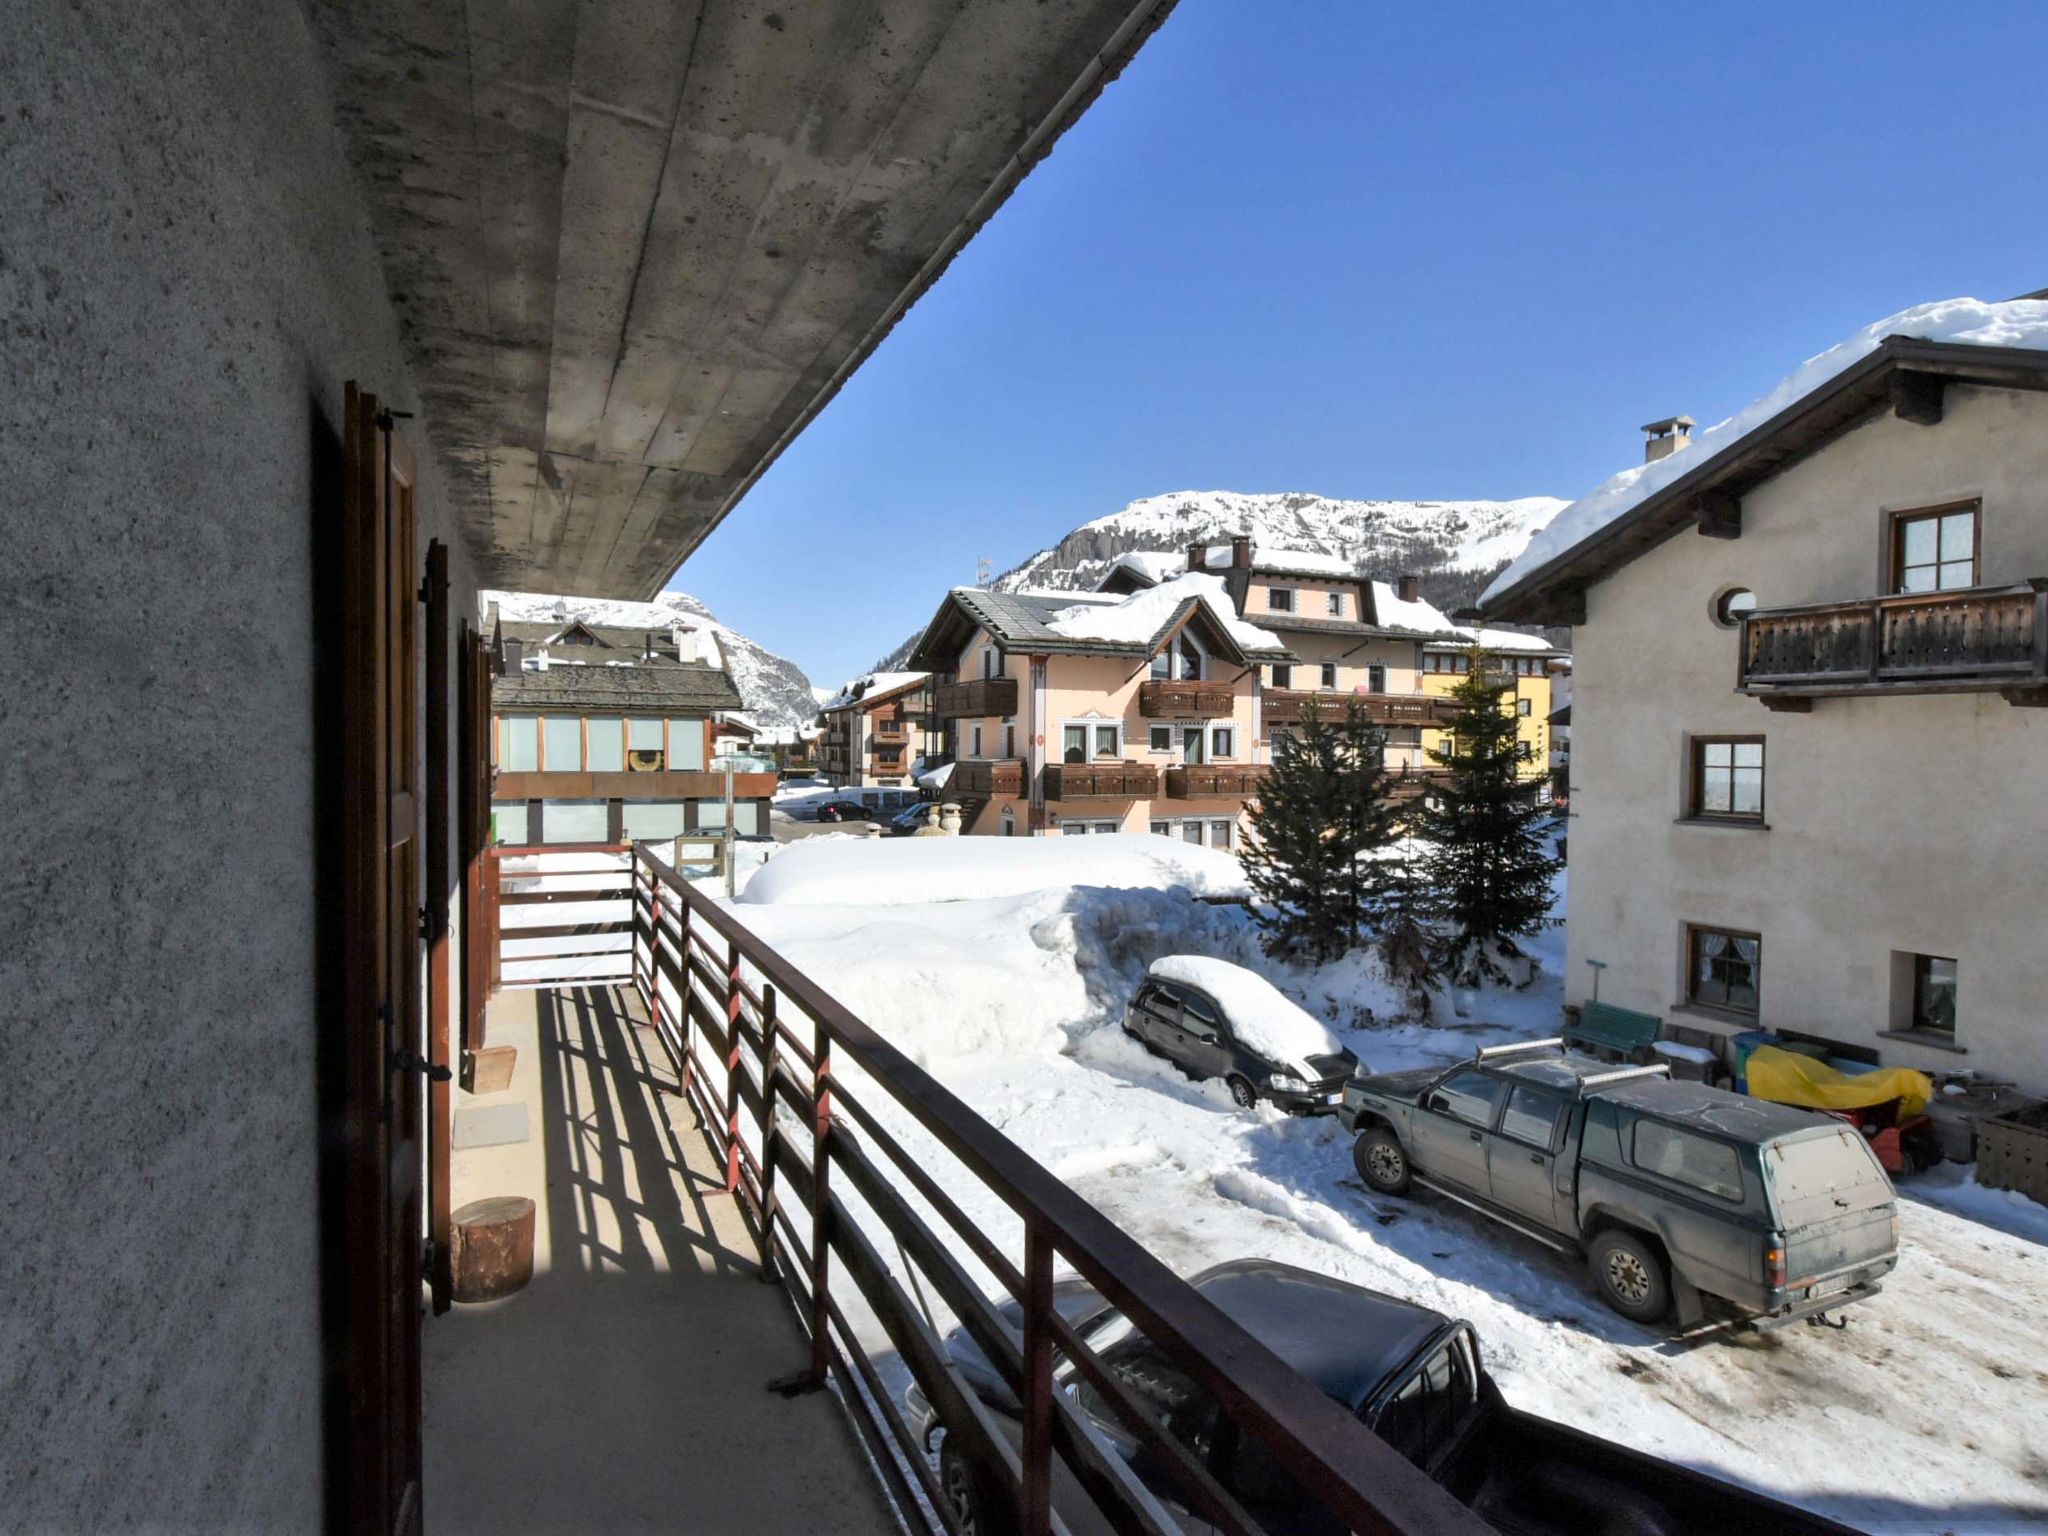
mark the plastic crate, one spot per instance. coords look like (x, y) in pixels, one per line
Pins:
(2012, 1151)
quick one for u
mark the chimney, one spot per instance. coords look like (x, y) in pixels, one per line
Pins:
(1198, 555)
(1410, 589)
(1241, 551)
(514, 658)
(540, 658)
(1666, 437)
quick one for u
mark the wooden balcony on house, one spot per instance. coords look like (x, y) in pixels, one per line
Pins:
(1101, 781)
(1162, 699)
(977, 698)
(1976, 640)
(1284, 706)
(1004, 776)
(1232, 781)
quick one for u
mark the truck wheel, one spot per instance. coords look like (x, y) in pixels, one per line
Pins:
(974, 1512)
(1381, 1162)
(1242, 1093)
(1629, 1274)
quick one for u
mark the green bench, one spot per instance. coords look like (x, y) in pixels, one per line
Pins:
(1602, 1027)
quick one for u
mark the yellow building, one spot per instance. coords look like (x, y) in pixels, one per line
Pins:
(1525, 661)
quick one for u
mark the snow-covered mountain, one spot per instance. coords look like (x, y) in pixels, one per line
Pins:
(777, 694)
(1455, 546)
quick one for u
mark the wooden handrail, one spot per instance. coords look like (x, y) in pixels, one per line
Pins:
(1363, 1481)
(1987, 637)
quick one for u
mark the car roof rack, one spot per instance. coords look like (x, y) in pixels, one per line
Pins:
(1491, 1052)
(1596, 1080)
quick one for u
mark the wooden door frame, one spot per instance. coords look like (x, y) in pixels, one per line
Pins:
(439, 893)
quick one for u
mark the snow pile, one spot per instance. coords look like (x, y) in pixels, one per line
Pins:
(1260, 1014)
(1143, 615)
(870, 685)
(2017, 323)
(899, 871)
(1393, 613)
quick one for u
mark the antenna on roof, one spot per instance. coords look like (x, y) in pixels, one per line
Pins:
(982, 572)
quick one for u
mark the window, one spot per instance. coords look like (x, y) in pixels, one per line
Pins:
(1335, 604)
(988, 661)
(1468, 1096)
(710, 814)
(1282, 739)
(1009, 741)
(686, 744)
(1159, 738)
(1329, 674)
(561, 742)
(1009, 824)
(974, 735)
(646, 747)
(1074, 743)
(1109, 741)
(1525, 751)
(1532, 1116)
(1724, 969)
(1934, 994)
(1220, 833)
(1162, 666)
(1198, 1016)
(607, 746)
(1191, 832)
(508, 822)
(1190, 660)
(1936, 550)
(1280, 599)
(520, 751)
(644, 819)
(1423, 1418)
(1731, 605)
(1728, 776)
(1283, 676)
(575, 821)
(889, 757)
(1376, 678)
(1223, 741)
(1698, 1162)
(1162, 829)
(1525, 707)
(746, 818)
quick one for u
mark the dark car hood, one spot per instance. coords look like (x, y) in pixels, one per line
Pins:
(1406, 1086)
(1075, 1299)
(1343, 1064)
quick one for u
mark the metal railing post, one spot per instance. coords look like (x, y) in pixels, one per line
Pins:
(684, 985)
(732, 1066)
(1034, 1390)
(821, 1201)
(771, 1084)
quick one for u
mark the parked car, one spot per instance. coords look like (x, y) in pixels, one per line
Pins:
(842, 810)
(1413, 1376)
(908, 823)
(1214, 1019)
(1670, 1189)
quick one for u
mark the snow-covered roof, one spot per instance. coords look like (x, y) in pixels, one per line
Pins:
(873, 687)
(1306, 562)
(1151, 564)
(1140, 618)
(2018, 323)
(1419, 616)
(1260, 1014)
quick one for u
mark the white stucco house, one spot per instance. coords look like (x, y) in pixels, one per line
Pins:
(1809, 778)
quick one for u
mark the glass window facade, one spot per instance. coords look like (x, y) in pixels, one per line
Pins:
(575, 821)
(519, 751)
(562, 744)
(686, 744)
(508, 822)
(607, 748)
(644, 819)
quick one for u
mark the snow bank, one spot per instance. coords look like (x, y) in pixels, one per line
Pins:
(1261, 1015)
(899, 871)
(2018, 323)
(1142, 615)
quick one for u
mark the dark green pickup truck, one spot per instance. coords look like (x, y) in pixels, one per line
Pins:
(1672, 1190)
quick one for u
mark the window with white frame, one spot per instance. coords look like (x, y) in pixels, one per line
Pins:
(1223, 741)
(1329, 674)
(1159, 738)
(1335, 604)
(1280, 599)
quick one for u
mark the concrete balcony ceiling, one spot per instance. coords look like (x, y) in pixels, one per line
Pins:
(635, 245)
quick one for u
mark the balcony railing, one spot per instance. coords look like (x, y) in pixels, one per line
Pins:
(1004, 776)
(1101, 781)
(1232, 781)
(977, 698)
(1979, 639)
(1283, 706)
(1162, 699)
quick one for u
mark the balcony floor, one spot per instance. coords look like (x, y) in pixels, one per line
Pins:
(624, 1389)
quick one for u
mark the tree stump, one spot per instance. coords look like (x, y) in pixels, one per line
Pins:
(492, 1247)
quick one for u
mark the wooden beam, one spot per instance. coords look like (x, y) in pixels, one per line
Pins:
(1566, 607)
(2031, 698)
(1717, 513)
(1917, 397)
(1787, 703)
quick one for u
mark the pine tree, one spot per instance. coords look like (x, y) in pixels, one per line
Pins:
(1488, 866)
(1400, 919)
(1322, 812)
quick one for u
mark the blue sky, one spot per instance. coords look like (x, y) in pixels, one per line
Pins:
(1409, 251)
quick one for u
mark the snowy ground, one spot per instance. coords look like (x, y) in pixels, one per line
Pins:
(1928, 1414)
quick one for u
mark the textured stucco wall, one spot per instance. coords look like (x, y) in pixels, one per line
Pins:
(1914, 824)
(187, 284)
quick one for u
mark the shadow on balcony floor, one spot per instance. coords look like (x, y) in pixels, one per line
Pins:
(624, 1389)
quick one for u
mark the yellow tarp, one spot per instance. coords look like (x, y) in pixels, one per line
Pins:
(1786, 1077)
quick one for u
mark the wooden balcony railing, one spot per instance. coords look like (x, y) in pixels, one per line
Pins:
(1101, 781)
(1979, 639)
(977, 698)
(1002, 777)
(857, 1172)
(1160, 699)
(1233, 781)
(1283, 706)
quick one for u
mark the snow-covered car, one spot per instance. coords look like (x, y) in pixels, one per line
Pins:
(1672, 1190)
(1214, 1019)
(1413, 1376)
